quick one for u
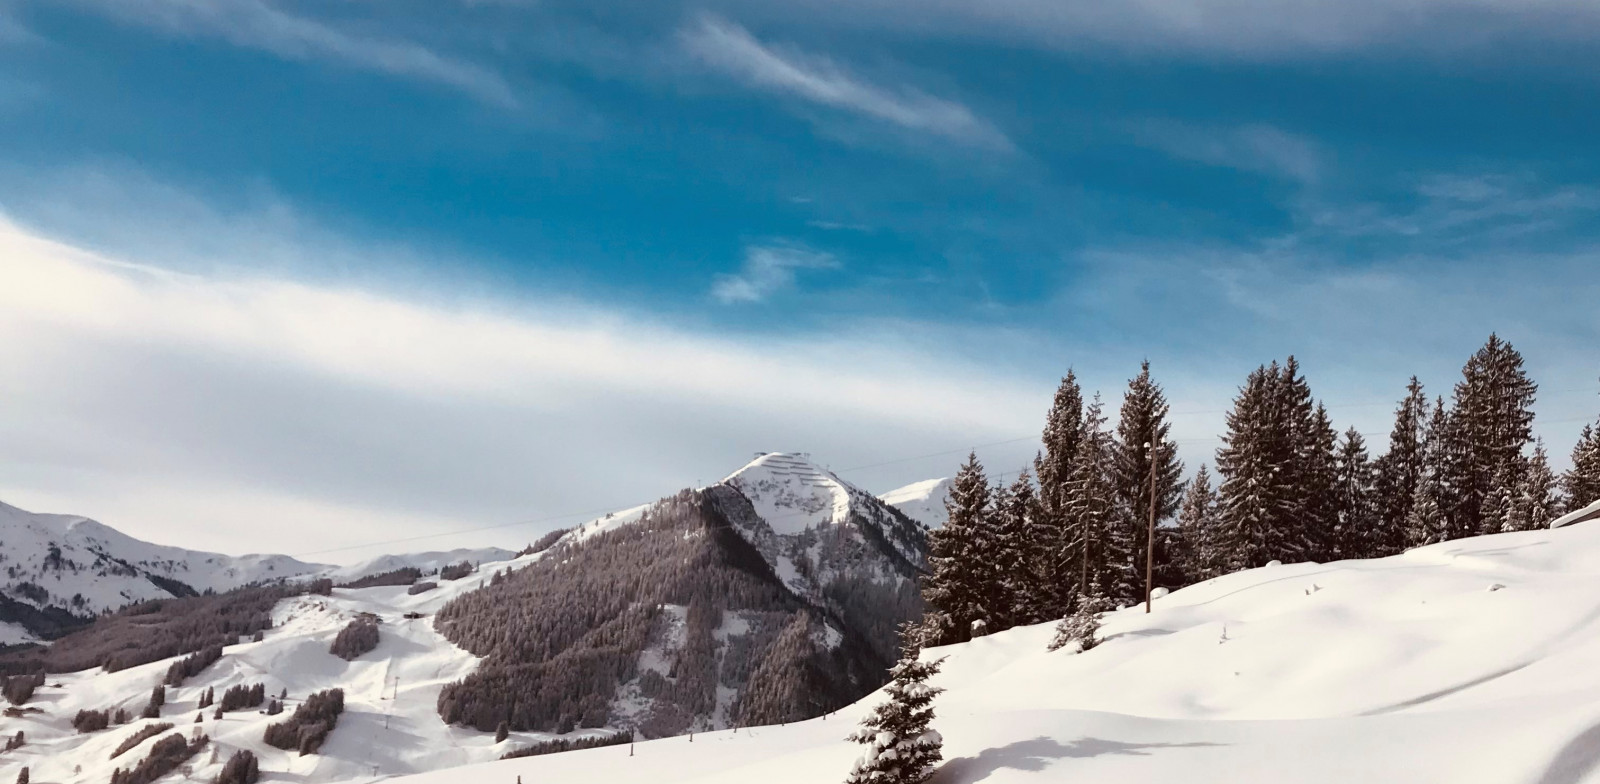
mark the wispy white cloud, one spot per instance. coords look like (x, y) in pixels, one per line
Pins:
(1245, 29)
(1470, 208)
(1259, 148)
(260, 25)
(767, 270)
(731, 50)
(237, 407)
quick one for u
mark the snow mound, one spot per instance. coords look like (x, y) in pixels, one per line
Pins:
(1401, 669)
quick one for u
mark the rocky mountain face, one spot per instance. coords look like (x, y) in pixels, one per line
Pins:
(770, 596)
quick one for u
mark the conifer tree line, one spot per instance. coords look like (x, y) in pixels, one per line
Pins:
(1286, 485)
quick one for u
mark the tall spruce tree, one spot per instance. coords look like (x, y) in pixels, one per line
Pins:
(1581, 483)
(1257, 501)
(1356, 534)
(1142, 427)
(901, 747)
(1491, 424)
(1317, 471)
(956, 589)
(1063, 430)
(1017, 513)
(1090, 507)
(1203, 558)
(1398, 472)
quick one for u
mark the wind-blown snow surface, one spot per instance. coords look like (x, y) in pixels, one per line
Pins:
(390, 725)
(921, 501)
(85, 567)
(1468, 661)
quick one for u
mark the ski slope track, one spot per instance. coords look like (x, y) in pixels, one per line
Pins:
(1467, 661)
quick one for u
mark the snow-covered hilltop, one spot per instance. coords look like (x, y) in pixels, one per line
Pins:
(769, 596)
(921, 501)
(1464, 662)
(83, 567)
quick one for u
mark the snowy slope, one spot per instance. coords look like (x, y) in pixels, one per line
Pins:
(428, 562)
(390, 725)
(921, 501)
(85, 567)
(1469, 661)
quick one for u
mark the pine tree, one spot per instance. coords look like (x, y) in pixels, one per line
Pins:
(1141, 428)
(1581, 483)
(955, 587)
(1016, 511)
(1197, 520)
(1090, 508)
(1356, 534)
(1491, 424)
(1398, 472)
(1502, 508)
(1426, 523)
(1317, 472)
(1063, 430)
(1257, 502)
(901, 747)
(1536, 503)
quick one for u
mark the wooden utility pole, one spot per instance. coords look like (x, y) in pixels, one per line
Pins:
(1150, 540)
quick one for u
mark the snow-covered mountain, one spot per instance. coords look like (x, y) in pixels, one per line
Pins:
(788, 573)
(921, 501)
(1469, 662)
(771, 595)
(80, 566)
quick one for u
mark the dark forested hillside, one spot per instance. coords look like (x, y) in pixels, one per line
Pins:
(159, 629)
(640, 625)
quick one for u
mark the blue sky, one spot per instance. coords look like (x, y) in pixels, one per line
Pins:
(913, 204)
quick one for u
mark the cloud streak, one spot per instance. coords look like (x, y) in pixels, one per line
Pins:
(239, 412)
(1238, 29)
(731, 50)
(1259, 148)
(767, 270)
(256, 24)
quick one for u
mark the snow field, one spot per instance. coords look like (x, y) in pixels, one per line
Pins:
(1403, 669)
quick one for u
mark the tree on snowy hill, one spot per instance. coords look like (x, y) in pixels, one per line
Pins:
(1257, 500)
(1357, 532)
(1491, 422)
(1582, 482)
(1102, 559)
(1054, 534)
(1142, 428)
(1017, 553)
(1534, 503)
(956, 587)
(1398, 471)
(901, 748)
(1202, 557)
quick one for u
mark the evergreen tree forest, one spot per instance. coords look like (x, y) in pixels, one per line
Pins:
(1284, 486)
